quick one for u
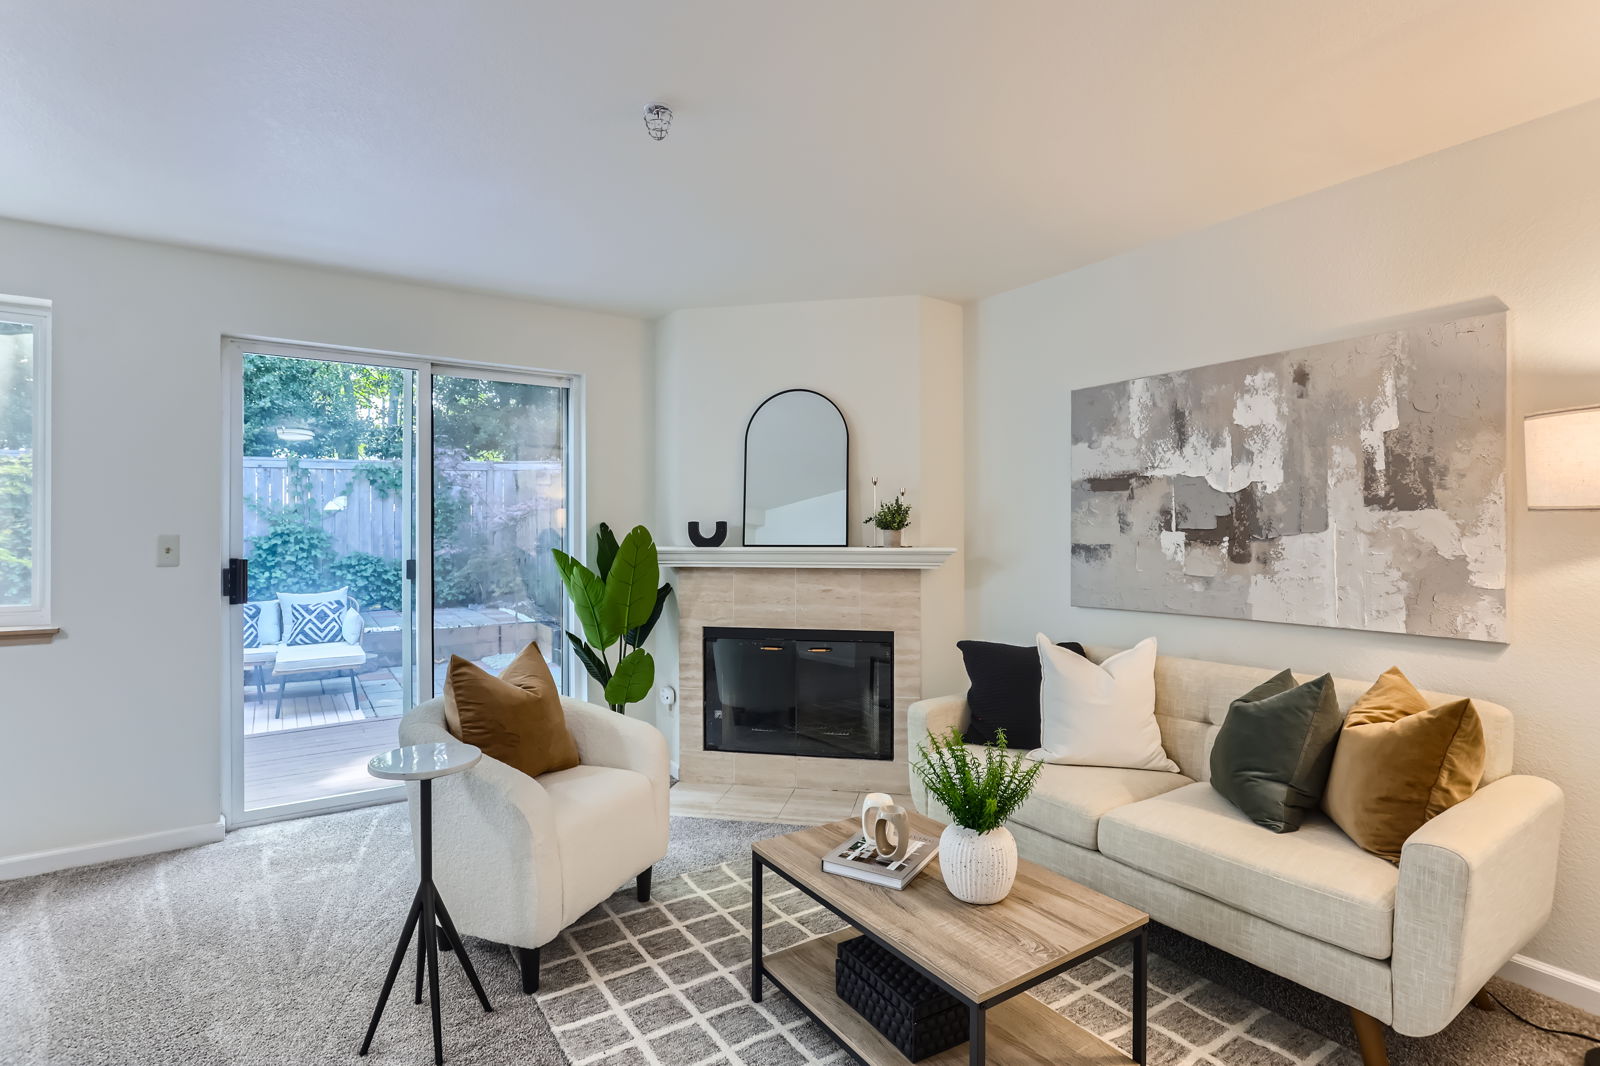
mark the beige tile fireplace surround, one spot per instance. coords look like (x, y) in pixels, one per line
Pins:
(796, 598)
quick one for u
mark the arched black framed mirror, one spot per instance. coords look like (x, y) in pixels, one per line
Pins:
(796, 473)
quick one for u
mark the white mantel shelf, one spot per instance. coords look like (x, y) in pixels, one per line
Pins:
(807, 558)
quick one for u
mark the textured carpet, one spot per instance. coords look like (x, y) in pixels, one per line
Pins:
(270, 946)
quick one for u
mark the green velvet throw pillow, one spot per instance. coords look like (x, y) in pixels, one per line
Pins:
(1274, 750)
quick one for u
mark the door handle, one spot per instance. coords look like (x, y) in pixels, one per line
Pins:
(236, 581)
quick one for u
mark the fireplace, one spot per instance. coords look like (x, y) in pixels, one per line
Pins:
(823, 693)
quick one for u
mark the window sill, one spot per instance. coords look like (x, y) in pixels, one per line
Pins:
(28, 634)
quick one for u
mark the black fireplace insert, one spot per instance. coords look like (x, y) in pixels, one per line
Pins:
(826, 693)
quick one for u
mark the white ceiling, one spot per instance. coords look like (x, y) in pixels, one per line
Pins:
(822, 148)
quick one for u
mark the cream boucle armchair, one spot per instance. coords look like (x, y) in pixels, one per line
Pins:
(519, 858)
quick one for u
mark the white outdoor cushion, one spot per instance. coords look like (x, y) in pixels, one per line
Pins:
(1316, 880)
(269, 629)
(265, 653)
(350, 625)
(1099, 714)
(1067, 802)
(605, 830)
(298, 658)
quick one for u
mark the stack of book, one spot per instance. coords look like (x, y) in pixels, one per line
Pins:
(859, 858)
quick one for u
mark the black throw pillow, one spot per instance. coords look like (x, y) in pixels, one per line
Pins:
(1005, 691)
(1274, 750)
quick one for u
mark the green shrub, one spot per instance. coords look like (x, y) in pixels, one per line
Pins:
(16, 529)
(373, 580)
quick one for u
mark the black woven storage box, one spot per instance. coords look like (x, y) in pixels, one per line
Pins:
(917, 1016)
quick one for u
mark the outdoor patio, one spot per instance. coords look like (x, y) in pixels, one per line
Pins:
(320, 743)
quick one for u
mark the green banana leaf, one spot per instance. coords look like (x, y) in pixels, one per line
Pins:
(630, 586)
(591, 659)
(588, 594)
(635, 675)
(640, 633)
(605, 550)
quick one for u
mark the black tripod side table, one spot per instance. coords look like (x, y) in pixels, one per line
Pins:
(422, 763)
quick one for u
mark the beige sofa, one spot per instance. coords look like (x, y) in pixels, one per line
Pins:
(1407, 947)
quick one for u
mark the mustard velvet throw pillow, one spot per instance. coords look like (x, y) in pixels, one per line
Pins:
(516, 717)
(1400, 762)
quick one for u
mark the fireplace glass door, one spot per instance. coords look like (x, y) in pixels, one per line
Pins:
(821, 693)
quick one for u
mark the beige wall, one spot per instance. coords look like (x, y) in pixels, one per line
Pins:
(1515, 218)
(115, 729)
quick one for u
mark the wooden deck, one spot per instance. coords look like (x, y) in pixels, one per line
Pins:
(320, 745)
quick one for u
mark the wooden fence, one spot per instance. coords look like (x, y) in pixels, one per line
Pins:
(521, 499)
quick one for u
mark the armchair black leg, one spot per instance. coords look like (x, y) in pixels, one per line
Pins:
(642, 885)
(528, 960)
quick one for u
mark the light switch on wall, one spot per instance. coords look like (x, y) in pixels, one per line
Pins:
(167, 549)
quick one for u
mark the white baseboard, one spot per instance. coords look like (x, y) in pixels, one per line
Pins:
(1570, 988)
(43, 862)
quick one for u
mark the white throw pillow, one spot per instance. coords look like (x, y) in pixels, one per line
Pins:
(1099, 714)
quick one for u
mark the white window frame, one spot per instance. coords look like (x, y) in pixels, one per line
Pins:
(36, 614)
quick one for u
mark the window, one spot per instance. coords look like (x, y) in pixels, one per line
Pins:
(24, 475)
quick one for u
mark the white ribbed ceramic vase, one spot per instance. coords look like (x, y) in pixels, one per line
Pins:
(978, 867)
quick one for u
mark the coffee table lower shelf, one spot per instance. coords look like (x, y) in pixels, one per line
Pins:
(1021, 1031)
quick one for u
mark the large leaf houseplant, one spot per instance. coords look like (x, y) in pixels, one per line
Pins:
(617, 604)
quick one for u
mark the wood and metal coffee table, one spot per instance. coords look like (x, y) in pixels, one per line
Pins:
(983, 956)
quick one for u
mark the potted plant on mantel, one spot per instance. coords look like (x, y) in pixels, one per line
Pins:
(977, 853)
(891, 517)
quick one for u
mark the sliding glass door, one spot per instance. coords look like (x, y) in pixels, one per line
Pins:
(391, 513)
(499, 480)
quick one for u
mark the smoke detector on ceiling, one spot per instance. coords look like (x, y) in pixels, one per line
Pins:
(658, 120)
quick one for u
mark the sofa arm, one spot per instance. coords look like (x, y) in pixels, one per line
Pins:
(496, 856)
(606, 738)
(1476, 883)
(926, 718)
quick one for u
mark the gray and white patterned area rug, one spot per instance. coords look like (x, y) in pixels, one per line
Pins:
(666, 983)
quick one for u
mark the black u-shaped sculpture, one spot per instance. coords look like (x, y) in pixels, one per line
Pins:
(700, 540)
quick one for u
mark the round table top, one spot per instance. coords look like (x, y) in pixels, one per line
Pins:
(420, 762)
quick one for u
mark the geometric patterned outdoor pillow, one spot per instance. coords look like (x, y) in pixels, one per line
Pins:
(316, 623)
(252, 625)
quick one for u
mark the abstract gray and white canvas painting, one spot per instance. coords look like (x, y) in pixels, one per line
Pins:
(1358, 484)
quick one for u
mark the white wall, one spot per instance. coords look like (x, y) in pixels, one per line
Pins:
(1513, 217)
(892, 365)
(114, 730)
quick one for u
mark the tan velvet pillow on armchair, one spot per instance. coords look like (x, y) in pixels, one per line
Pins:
(1400, 762)
(516, 717)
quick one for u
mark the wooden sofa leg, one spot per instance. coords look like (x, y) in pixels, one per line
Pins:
(1484, 1001)
(642, 885)
(528, 960)
(1369, 1034)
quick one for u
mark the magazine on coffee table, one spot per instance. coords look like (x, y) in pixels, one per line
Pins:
(858, 858)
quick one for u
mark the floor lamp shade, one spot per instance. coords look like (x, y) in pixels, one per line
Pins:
(1563, 459)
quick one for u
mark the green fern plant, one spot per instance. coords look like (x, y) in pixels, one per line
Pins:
(980, 793)
(617, 605)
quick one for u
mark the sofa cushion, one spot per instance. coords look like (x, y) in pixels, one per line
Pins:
(1400, 763)
(516, 717)
(1317, 881)
(262, 653)
(1005, 691)
(298, 658)
(1067, 802)
(606, 830)
(1272, 754)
